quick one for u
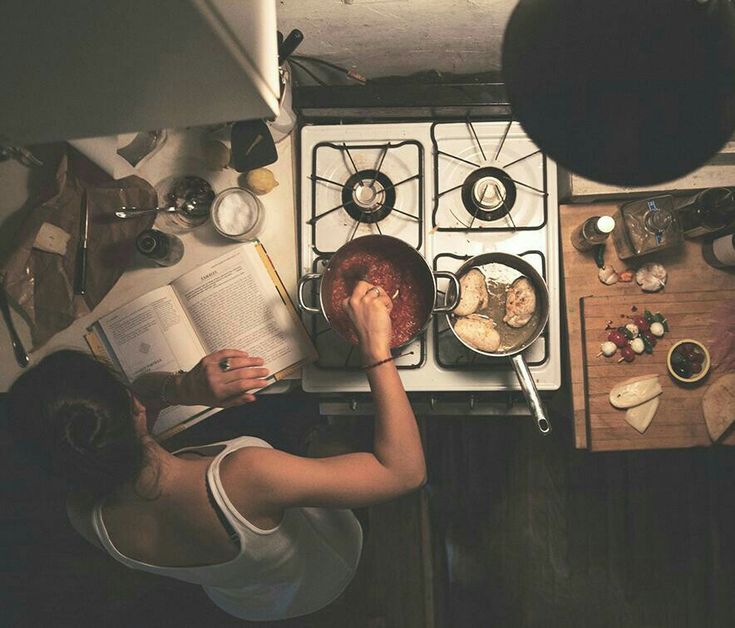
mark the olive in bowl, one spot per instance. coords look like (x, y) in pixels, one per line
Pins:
(688, 361)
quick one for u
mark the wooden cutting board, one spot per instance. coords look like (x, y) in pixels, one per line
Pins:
(679, 421)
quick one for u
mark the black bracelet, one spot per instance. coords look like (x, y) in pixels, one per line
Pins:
(374, 364)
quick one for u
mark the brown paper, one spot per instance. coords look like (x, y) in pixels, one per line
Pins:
(41, 283)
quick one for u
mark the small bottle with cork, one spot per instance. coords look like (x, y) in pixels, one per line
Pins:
(592, 232)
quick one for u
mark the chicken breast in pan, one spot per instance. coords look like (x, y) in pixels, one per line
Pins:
(473, 294)
(478, 331)
(520, 303)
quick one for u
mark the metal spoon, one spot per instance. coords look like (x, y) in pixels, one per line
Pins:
(134, 212)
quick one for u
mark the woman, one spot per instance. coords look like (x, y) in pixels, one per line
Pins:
(266, 533)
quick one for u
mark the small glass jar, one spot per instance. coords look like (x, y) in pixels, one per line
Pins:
(592, 232)
(646, 226)
(238, 214)
(165, 249)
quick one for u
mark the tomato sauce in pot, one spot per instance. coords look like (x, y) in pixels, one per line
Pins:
(392, 274)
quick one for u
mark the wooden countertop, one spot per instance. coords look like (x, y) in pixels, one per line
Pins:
(687, 272)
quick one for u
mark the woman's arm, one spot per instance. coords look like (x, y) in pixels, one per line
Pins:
(277, 480)
(206, 384)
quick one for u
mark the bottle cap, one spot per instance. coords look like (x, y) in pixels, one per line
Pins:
(605, 224)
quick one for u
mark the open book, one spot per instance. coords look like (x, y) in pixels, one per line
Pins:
(236, 301)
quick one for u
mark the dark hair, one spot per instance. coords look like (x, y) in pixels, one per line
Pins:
(75, 419)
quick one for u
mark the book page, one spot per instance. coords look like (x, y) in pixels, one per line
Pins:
(234, 304)
(152, 333)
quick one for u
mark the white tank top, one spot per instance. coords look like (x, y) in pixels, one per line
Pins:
(296, 568)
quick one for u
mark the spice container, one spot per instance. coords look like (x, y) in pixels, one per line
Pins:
(238, 214)
(592, 232)
(164, 249)
(646, 226)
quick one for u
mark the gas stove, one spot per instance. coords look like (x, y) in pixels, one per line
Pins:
(451, 190)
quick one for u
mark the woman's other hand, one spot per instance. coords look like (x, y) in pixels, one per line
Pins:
(369, 310)
(209, 383)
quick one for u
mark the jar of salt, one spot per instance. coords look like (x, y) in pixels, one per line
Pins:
(237, 214)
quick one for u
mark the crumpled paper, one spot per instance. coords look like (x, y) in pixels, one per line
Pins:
(41, 283)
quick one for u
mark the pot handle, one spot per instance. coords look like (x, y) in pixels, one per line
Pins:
(302, 282)
(445, 309)
(531, 393)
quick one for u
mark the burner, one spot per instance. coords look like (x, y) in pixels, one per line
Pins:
(488, 193)
(368, 196)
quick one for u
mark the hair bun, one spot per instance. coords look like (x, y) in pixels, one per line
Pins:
(82, 426)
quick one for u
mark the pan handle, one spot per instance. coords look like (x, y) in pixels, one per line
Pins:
(445, 309)
(302, 282)
(531, 393)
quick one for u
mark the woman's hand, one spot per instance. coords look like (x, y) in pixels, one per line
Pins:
(207, 384)
(369, 310)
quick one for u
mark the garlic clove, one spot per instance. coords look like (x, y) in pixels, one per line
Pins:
(607, 275)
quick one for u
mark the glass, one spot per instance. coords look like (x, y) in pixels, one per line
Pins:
(646, 226)
(238, 214)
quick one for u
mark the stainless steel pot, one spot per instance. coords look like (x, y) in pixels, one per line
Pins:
(397, 251)
(536, 325)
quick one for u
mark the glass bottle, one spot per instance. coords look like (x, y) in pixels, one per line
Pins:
(646, 226)
(720, 252)
(707, 211)
(164, 249)
(592, 232)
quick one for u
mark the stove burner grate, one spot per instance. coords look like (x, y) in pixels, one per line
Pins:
(368, 196)
(488, 194)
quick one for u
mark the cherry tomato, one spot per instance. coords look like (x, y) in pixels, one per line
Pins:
(641, 323)
(618, 338)
(697, 357)
(627, 354)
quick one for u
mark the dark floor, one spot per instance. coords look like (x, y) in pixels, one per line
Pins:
(525, 531)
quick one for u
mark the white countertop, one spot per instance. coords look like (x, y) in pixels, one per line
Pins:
(179, 155)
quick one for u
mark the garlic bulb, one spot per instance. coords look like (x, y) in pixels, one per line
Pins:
(651, 277)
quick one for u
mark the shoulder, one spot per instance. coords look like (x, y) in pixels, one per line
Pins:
(252, 465)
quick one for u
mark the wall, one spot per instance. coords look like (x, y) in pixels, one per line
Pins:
(388, 37)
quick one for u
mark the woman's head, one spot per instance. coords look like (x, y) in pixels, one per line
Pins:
(74, 418)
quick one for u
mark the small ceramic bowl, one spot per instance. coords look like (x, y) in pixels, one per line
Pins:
(672, 361)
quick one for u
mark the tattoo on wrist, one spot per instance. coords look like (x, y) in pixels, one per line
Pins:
(165, 388)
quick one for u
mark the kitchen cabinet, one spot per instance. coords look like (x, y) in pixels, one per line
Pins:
(84, 69)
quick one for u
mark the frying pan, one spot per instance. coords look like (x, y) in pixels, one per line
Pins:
(508, 268)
